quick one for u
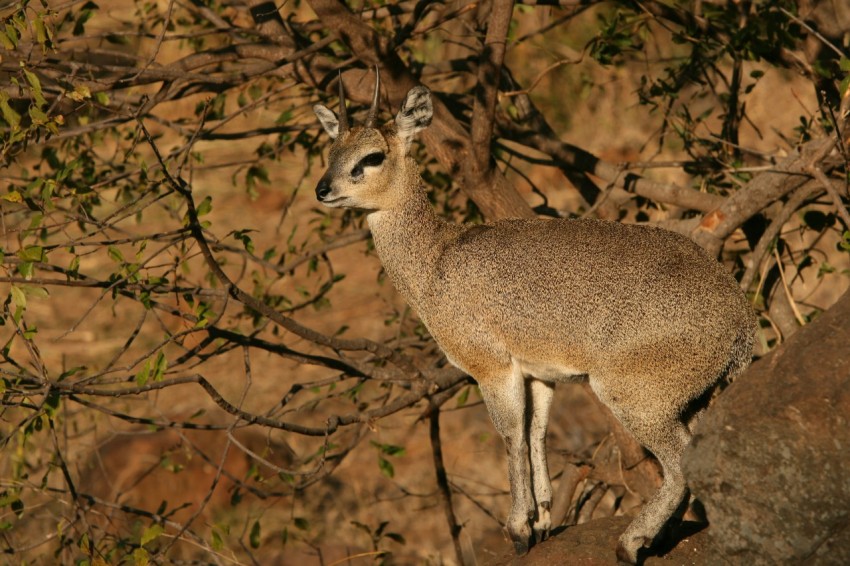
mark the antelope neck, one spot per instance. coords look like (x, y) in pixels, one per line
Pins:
(409, 239)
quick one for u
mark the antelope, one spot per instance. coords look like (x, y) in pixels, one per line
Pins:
(644, 315)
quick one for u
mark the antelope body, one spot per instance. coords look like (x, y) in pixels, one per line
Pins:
(643, 314)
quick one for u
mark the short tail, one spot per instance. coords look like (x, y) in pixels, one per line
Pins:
(742, 354)
(739, 360)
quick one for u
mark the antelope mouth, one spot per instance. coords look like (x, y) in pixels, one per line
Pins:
(334, 201)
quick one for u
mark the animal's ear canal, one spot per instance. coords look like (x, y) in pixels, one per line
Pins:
(415, 114)
(328, 119)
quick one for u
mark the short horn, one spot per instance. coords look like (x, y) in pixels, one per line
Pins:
(373, 111)
(343, 114)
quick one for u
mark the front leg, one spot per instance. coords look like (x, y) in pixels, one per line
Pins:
(539, 402)
(504, 394)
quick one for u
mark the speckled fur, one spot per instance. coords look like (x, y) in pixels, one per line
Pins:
(645, 315)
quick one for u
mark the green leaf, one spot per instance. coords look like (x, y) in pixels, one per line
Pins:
(86, 13)
(205, 207)
(19, 298)
(242, 236)
(38, 116)
(463, 397)
(74, 266)
(51, 403)
(845, 85)
(80, 93)
(42, 32)
(302, 524)
(255, 172)
(117, 39)
(217, 544)
(32, 253)
(396, 537)
(9, 115)
(12, 35)
(6, 42)
(254, 537)
(389, 449)
(151, 533)
(362, 527)
(13, 196)
(115, 254)
(144, 374)
(26, 269)
(34, 291)
(386, 467)
(160, 366)
(71, 372)
(35, 84)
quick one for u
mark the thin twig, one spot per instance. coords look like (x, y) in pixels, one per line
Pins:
(800, 320)
(442, 481)
(833, 193)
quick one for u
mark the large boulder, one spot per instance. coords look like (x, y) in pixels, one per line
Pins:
(771, 459)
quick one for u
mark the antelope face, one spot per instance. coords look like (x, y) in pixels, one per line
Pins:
(357, 170)
(365, 162)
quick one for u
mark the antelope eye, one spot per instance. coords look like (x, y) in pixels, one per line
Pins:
(371, 160)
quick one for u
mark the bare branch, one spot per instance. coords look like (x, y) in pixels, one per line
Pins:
(489, 73)
(442, 481)
(764, 189)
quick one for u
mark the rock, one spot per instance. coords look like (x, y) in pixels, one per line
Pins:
(771, 459)
(594, 544)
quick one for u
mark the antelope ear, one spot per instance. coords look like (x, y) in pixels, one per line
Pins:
(328, 119)
(415, 114)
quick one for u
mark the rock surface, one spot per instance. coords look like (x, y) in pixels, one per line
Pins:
(771, 459)
(593, 544)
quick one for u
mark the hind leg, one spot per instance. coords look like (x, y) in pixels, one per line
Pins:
(540, 400)
(660, 429)
(667, 441)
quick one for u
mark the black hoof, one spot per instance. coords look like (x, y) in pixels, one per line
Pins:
(521, 548)
(623, 558)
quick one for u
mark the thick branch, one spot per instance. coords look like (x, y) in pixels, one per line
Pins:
(574, 159)
(487, 89)
(765, 188)
(536, 132)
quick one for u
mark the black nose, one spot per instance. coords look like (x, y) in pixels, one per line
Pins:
(323, 189)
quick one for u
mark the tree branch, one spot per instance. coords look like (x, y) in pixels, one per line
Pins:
(442, 480)
(764, 189)
(487, 90)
